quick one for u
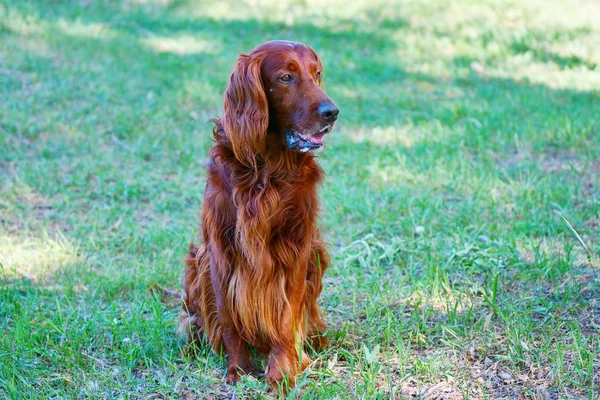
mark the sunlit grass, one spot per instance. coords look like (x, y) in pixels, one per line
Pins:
(78, 29)
(34, 258)
(182, 45)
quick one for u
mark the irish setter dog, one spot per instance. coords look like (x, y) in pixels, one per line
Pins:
(256, 276)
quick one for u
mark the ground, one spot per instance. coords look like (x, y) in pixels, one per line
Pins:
(462, 203)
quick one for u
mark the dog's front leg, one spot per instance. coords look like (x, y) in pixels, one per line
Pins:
(318, 264)
(287, 358)
(238, 356)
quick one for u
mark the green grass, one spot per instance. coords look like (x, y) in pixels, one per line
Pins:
(464, 126)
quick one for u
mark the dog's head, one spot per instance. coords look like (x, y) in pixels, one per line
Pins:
(277, 88)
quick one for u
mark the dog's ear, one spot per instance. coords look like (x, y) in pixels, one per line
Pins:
(246, 110)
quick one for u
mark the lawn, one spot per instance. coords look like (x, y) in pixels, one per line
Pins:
(461, 205)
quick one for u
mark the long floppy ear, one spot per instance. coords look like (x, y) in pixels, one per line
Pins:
(246, 111)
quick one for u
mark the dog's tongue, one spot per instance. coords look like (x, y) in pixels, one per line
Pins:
(318, 138)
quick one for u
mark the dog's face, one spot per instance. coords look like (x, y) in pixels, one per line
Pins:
(276, 89)
(299, 109)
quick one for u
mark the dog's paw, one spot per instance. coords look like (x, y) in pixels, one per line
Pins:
(317, 342)
(235, 373)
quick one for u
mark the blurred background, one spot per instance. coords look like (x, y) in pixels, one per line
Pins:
(462, 203)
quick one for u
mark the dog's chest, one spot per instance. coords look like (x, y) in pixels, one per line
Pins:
(297, 204)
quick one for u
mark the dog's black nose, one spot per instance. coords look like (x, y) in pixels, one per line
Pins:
(328, 111)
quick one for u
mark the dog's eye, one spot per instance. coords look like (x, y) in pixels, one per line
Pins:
(285, 78)
(318, 74)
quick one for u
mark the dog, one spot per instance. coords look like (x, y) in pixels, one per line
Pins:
(256, 276)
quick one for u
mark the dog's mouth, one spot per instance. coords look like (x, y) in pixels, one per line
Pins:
(307, 142)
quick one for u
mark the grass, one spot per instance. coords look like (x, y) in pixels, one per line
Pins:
(462, 203)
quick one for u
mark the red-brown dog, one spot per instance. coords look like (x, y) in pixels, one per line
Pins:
(256, 276)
